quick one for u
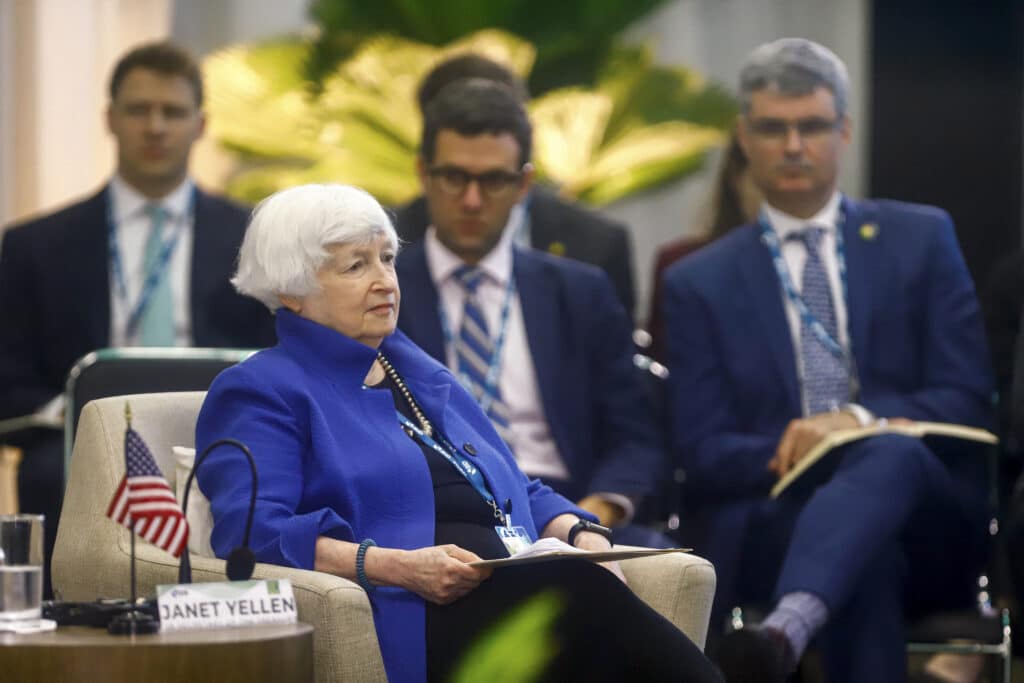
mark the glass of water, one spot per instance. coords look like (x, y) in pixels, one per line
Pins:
(21, 567)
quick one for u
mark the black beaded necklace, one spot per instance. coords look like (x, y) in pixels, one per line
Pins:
(397, 380)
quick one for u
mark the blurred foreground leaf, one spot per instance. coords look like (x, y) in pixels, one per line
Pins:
(642, 125)
(518, 648)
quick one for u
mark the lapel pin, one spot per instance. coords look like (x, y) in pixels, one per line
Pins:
(869, 231)
(556, 248)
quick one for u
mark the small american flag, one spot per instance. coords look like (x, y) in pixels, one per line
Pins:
(144, 501)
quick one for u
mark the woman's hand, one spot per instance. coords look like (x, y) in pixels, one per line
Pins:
(440, 574)
(588, 540)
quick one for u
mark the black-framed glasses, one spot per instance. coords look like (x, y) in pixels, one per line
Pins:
(778, 129)
(454, 180)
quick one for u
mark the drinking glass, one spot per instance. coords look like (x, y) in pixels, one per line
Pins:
(21, 567)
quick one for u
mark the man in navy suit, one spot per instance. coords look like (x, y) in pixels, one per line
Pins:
(145, 261)
(548, 223)
(542, 342)
(825, 314)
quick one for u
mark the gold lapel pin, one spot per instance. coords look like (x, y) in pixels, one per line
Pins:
(869, 231)
(556, 248)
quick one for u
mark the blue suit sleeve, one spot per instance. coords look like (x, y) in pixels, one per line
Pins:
(630, 456)
(545, 504)
(957, 384)
(242, 406)
(720, 461)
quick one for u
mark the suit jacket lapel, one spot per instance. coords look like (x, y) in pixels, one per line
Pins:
(765, 292)
(859, 257)
(418, 312)
(539, 302)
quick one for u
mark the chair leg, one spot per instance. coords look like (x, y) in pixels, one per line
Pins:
(1007, 645)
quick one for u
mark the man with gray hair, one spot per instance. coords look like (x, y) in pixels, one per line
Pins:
(827, 313)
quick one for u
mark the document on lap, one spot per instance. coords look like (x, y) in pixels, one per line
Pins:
(844, 436)
(550, 549)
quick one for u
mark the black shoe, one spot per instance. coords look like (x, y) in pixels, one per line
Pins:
(754, 655)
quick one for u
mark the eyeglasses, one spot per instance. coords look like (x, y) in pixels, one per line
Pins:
(778, 129)
(454, 180)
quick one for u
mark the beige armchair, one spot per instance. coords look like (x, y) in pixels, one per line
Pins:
(91, 556)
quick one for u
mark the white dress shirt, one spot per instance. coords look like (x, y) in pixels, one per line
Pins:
(530, 437)
(132, 226)
(529, 434)
(795, 255)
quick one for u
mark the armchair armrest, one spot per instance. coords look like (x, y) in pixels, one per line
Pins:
(680, 586)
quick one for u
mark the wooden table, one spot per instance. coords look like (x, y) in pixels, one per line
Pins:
(78, 653)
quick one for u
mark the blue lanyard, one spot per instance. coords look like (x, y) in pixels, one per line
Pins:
(155, 273)
(771, 240)
(462, 465)
(490, 388)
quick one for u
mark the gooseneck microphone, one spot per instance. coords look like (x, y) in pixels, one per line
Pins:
(241, 560)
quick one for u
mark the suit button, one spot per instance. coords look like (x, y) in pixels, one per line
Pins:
(469, 448)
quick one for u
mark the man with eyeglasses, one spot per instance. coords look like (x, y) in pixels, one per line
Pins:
(548, 222)
(826, 313)
(542, 342)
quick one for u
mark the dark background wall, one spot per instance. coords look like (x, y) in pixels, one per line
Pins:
(947, 118)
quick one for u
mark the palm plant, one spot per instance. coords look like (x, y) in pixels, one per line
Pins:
(639, 126)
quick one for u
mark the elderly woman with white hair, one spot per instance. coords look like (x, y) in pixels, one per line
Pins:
(376, 465)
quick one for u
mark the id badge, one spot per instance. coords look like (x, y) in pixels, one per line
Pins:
(515, 538)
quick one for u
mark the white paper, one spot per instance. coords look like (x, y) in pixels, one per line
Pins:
(549, 549)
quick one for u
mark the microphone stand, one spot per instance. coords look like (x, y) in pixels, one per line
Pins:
(133, 621)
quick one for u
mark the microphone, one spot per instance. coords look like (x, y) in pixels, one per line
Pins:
(241, 560)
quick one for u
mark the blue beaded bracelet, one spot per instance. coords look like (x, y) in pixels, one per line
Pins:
(361, 578)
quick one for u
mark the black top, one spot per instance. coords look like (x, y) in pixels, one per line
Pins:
(461, 516)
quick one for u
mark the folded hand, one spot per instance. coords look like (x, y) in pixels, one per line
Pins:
(803, 434)
(441, 574)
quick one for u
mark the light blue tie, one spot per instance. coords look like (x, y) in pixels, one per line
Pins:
(473, 351)
(826, 378)
(156, 326)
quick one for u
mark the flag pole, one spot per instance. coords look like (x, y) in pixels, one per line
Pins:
(131, 520)
(132, 621)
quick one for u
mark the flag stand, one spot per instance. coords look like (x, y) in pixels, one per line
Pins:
(132, 622)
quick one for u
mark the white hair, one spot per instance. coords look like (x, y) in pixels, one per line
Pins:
(794, 67)
(285, 243)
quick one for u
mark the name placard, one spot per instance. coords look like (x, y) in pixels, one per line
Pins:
(229, 603)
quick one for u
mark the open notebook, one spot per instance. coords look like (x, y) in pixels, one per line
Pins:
(839, 438)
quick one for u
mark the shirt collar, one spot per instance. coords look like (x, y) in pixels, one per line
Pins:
(785, 225)
(496, 265)
(130, 203)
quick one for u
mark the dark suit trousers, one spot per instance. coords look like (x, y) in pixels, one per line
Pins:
(893, 532)
(603, 631)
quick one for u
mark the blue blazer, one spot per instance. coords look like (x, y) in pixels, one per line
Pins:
(333, 461)
(581, 344)
(55, 295)
(917, 337)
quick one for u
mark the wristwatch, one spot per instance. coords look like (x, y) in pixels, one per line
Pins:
(587, 525)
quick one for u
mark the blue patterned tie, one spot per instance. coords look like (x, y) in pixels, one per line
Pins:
(474, 348)
(826, 378)
(156, 326)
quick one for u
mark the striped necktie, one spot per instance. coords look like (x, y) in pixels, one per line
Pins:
(156, 326)
(826, 379)
(474, 349)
